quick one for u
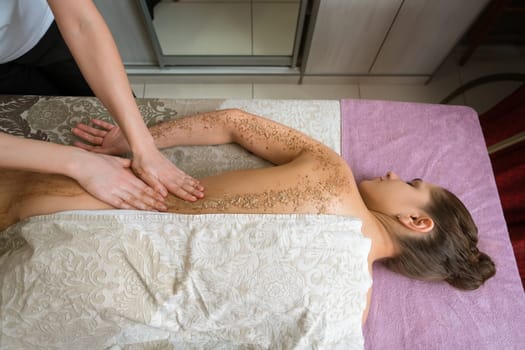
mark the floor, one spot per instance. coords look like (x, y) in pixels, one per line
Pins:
(485, 61)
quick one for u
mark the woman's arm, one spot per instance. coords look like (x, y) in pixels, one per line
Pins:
(92, 45)
(267, 139)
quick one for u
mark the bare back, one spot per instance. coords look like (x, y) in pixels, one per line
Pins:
(309, 184)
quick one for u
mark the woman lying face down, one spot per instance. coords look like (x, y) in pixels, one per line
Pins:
(416, 228)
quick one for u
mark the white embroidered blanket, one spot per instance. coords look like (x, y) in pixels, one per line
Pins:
(127, 279)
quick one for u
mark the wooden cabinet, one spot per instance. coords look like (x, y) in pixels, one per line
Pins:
(348, 34)
(348, 37)
(387, 37)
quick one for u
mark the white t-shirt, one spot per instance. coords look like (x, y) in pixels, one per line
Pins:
(22, 24)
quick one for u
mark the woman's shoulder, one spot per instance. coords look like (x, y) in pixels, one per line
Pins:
(335, 180)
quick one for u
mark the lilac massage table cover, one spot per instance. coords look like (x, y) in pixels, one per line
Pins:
(443, 145)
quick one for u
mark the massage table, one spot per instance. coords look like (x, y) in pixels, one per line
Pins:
(441, 144)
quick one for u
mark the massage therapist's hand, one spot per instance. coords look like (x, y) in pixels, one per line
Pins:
(161, 174)
(109, 179)
(152, 166)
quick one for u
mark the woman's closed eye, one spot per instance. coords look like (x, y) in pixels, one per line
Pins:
(412, 183)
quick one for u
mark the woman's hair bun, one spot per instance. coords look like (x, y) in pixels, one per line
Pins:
(481, 268)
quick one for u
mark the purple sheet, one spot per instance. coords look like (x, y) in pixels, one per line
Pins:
(444, 145)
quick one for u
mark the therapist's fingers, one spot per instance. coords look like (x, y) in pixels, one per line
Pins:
(163, 176)
(109, 179)
(135, 198)
(134, 195)
(151, 180)
(176, 182)
(145, 198)
(193, 186)
(185, 187)
(141, 196)
(124, 205)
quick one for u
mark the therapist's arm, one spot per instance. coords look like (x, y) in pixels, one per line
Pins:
(96, 173)
(93, 48)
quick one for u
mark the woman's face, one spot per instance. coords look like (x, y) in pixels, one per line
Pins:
(393, 196)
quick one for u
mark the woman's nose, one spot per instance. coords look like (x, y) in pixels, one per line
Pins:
(391, 175)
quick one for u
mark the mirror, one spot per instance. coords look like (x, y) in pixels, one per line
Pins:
(226, 32)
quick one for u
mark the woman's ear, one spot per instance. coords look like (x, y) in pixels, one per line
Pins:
(416, 222)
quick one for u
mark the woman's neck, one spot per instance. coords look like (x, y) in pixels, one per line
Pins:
(375, 228)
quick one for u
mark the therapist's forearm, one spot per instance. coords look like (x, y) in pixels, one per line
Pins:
(38, 156)
(96, 54)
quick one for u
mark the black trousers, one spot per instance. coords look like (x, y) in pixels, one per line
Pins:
(47, 69)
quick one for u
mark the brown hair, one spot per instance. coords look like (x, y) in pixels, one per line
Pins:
(449, 251)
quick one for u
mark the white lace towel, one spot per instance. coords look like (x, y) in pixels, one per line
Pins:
(111, 278)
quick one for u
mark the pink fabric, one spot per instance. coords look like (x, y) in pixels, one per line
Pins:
(443, 145)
